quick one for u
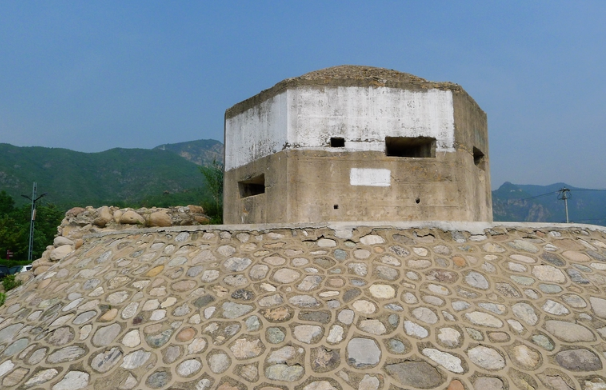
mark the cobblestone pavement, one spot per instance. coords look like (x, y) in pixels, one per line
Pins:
(314, 309)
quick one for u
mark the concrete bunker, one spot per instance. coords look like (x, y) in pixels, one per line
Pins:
(356, 143)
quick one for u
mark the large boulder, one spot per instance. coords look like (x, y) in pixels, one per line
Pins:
(60, 252)
(60, 241)
(41, 269)
(132, 218)
(74, 211)
(195, 209)
(160, 219)
(104, 216)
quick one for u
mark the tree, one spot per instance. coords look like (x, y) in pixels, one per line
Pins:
(213, 175)
(7, 204)
(10, 237)
(48, 218)
(14, 227)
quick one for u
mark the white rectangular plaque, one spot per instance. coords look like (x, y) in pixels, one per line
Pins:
(370, 177)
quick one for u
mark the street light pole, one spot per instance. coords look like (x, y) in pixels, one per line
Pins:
(32, 220)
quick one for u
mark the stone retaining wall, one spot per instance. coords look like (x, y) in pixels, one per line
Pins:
(313, 308)
(80, 221)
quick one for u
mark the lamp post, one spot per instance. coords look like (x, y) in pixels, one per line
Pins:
(32, 220)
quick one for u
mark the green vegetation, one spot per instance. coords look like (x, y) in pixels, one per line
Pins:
(113, 177)
(13, 263)
(9, 282)
(15, 225)
(213, 201)
(118, 177)
(162, 177)
(168, 199)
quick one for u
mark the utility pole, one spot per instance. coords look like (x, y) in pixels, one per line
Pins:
(564, 194)
(32, 220)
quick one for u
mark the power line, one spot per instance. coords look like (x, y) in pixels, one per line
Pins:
(592, 219)
(538, 196)
(555, 192)
(565, 194)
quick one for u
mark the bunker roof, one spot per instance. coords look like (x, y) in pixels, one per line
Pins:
(345, 76)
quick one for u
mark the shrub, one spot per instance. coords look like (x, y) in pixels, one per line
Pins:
(213, 207)
(9, 282)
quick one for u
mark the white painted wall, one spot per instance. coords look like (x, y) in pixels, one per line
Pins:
(257, 132)
(369, 115)
(307, 117)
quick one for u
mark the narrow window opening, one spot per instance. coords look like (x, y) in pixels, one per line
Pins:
(418, 200)
(478, 158)
(337, 142)
(253, 186)
(410, 147)
(336, 207)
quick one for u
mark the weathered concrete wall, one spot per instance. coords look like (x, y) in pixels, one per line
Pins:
(433, 306)
(305, 186)
(284, 133)
(471, 124)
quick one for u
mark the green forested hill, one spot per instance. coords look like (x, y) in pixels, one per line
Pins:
(114, 176)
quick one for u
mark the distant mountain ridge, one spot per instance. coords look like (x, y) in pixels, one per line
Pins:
(534, 203)
(200, 152)
(117, 175)
(169, 173)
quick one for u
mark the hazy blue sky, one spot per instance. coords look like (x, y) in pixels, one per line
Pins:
(92, 76)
